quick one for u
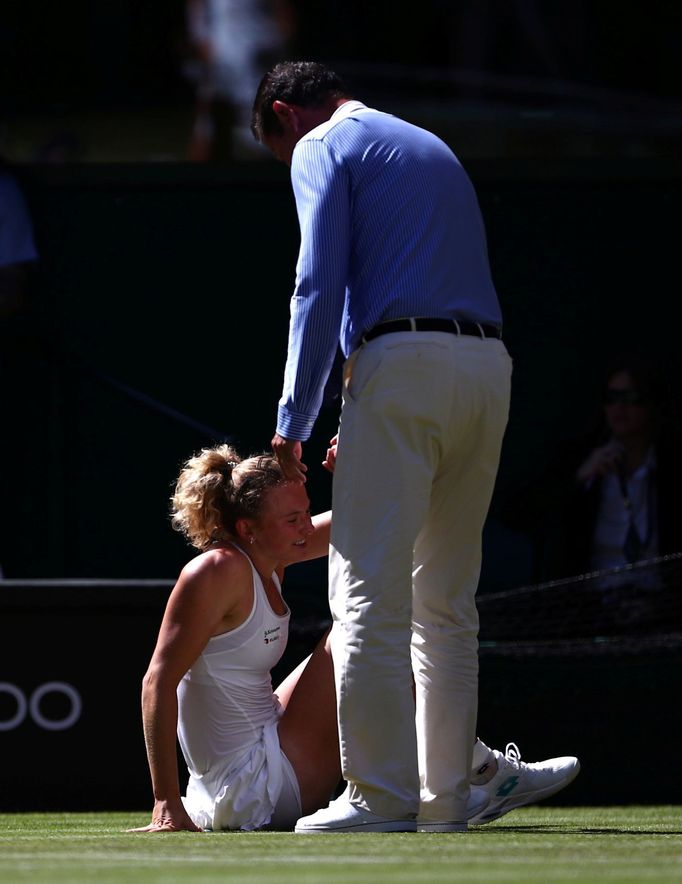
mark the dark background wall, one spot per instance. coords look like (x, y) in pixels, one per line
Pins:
(94, 79)
(160, 324)
(72, 659)
(121, 51)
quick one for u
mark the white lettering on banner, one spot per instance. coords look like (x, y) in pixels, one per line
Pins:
(32, 706)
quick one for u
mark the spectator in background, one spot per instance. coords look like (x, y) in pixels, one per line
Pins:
(17, 255)
(17, 246)
(612, 497)
(233, 42)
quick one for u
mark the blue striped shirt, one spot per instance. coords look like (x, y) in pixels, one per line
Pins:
(390, 227)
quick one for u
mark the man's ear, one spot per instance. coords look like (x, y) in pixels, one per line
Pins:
(284, 112)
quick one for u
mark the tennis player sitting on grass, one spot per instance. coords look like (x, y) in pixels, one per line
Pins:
(259, 759)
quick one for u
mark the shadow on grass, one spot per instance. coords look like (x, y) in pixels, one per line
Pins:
(542, 829)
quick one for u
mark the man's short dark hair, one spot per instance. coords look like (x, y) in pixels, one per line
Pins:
(305, 83)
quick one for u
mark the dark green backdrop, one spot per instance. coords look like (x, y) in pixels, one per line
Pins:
(167, 286)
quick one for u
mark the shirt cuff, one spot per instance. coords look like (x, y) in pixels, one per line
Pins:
(294, 426)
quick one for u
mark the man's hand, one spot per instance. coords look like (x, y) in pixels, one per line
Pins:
(289, 453)
(330, 460)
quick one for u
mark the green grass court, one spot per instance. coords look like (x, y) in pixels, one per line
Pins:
(537, 844)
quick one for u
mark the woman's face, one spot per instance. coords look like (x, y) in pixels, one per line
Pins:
(627, 413)
(283, 525)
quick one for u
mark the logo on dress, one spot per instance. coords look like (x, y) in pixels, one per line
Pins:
(271, 635)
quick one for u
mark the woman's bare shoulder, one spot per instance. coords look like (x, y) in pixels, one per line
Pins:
(223, 572)
(221, 561)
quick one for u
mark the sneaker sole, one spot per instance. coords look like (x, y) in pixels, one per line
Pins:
(442, 827)
(386, 826)
(524, 799)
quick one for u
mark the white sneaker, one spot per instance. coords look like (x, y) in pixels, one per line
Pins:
(516, 783)
(478, 801)
(342, 816)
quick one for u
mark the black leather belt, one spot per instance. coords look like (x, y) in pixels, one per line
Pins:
(423, 323)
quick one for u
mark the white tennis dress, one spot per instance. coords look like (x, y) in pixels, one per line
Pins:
(227, 725)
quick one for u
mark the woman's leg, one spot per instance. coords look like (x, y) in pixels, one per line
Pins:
(308, 732)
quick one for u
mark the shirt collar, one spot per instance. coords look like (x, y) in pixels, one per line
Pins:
(347, 108)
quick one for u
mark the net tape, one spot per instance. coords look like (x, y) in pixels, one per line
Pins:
(629, 609)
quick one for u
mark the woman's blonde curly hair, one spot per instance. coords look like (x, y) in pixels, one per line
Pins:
(215, 488)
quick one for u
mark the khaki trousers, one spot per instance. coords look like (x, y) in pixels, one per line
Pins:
(420, 435)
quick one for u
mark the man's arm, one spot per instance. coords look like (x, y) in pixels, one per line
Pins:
(322, 193)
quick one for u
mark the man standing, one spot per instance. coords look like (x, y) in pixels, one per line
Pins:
(393, 263)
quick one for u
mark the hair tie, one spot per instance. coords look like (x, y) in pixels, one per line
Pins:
(226, 471)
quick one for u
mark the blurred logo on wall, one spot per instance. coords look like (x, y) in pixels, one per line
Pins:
(52, 706)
